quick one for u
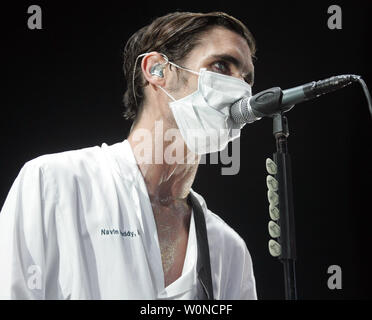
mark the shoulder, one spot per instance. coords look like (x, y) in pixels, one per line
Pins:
(64, 160)
(231, 262)
(67, 164)
(219, 231)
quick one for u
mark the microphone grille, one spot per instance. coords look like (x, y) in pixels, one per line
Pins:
(241, 111)
(236, 111)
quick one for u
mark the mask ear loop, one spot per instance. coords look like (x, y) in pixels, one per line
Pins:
(166, 62)
(183, 68)
(177, 66)
(134, 70)
(165, 91)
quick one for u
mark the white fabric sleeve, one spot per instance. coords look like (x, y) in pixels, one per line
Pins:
(240, 281)
(248, 283)
(22, 237)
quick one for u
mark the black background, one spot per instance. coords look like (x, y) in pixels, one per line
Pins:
(62, 90)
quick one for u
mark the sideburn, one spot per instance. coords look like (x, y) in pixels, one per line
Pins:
(182, 79)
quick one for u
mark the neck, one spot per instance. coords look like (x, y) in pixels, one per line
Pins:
(168, 167)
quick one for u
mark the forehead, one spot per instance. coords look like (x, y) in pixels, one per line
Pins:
(222, 41)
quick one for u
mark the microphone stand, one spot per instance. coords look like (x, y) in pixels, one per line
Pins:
(287, 238)
(266, 104)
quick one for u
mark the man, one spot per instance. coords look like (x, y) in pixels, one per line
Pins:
(121, 221)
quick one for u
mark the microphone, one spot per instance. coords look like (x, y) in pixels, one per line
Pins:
(275, 100)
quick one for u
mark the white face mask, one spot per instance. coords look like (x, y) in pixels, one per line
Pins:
(203, 117)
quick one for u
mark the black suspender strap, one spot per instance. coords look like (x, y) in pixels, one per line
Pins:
(203, 265)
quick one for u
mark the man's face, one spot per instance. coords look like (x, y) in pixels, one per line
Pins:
(220, 50)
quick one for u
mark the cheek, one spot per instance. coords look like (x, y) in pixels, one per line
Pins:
(189, 84)
(183, 85)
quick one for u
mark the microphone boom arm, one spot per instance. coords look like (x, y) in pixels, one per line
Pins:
(275, 100)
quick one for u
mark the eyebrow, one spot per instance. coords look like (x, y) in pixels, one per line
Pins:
(249, 77)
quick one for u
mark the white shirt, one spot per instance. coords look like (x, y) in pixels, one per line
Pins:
(79, 225)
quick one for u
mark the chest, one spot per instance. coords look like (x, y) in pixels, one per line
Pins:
(173, 232)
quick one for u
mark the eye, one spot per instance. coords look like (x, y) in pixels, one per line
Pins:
(221, 67)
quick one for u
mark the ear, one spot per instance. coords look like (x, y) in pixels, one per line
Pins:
(147, 63)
